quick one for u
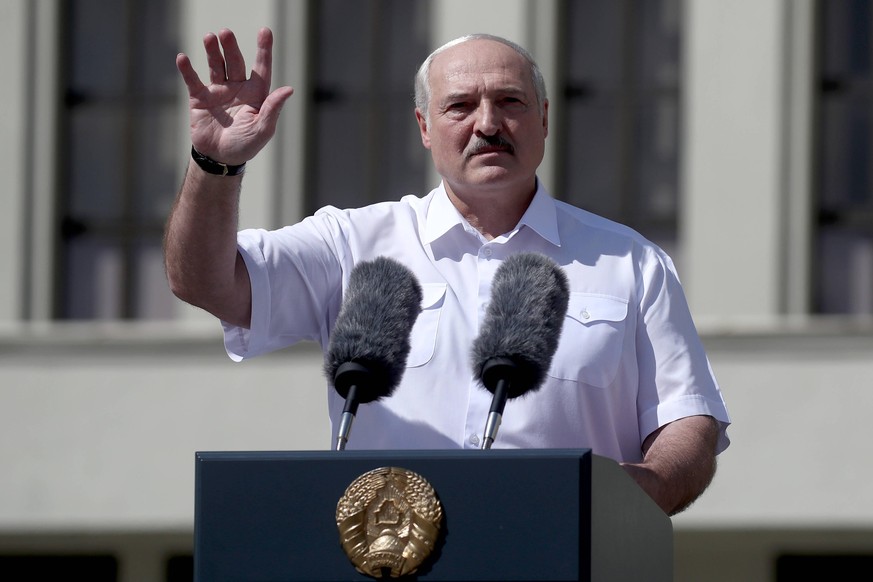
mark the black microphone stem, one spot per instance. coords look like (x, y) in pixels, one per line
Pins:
(349, 412)
(495, 414)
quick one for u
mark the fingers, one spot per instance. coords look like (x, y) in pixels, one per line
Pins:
(189, 75)
(214, 59)
(226, 61)
(264, 58)
(224, 57)
(235, 66)
(226, 64)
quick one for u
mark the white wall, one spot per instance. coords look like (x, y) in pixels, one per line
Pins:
(103, 436)
(101, 428)
(13, 157)
(732, 167)
(799, 455)
(29, 37)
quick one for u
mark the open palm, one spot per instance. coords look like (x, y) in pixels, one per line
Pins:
(233, 117)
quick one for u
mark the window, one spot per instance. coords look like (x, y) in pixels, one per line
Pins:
(618, 146)
(843, 246)
(96, 568)
(364, 144)
(802, 567)
(180, 568)
(119, 159)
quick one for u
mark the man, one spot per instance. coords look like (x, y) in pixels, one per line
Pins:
(630, 379)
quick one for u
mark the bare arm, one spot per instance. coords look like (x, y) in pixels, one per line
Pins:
(232, 119)
(678, 462)
(202, 262)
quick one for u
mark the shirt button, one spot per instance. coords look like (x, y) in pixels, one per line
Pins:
(585, 314)
(487, 251)
(474, 440)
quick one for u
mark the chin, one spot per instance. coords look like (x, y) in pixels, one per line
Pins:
(497, 182)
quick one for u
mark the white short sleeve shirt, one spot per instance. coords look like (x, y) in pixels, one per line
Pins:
(629, 359)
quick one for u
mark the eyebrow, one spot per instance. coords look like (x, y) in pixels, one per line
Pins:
(462, 95)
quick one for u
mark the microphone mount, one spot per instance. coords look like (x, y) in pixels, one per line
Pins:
(496, 374)
(351, 379)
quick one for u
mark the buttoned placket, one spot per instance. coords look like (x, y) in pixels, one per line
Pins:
(480, 399)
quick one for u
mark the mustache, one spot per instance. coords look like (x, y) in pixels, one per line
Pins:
(489, 143)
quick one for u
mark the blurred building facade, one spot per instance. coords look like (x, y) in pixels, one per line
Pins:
(737, 135)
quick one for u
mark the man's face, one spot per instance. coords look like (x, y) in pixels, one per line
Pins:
(484, 127)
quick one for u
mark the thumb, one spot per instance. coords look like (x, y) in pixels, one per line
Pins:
(272, 107)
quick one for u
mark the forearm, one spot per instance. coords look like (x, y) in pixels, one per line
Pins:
(679, 462)
(200, 252)
(231, 120)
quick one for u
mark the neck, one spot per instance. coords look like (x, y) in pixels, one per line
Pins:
(492, 213)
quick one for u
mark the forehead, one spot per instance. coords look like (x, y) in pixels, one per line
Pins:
(479, 63)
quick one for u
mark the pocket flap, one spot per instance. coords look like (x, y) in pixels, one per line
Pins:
(424, 332)
(587, 308)
(432, 295)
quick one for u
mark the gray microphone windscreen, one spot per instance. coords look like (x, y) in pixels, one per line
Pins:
(380, 306)
(523, 321)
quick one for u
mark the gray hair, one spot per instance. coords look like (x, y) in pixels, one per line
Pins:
(422, 77)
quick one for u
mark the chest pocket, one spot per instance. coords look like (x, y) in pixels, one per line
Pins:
(424, 332)
(591, 340)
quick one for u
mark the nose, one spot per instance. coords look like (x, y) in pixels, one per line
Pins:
(487, 119)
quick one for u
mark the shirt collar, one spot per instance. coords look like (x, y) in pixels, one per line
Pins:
(541, 216)
(442, 216)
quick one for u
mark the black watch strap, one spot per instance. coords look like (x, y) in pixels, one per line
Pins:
(209, 165)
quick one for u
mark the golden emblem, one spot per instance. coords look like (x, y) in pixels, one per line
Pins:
(388, 520)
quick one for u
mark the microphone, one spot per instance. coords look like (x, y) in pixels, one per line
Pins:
(520, 332)
(369, 344)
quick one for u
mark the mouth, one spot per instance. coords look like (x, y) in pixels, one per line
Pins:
(492, 150)
(489, 150)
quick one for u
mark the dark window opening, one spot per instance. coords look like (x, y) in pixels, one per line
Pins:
(843, 213)
(364, 144)
(96, 568)
(619, 139)
(119, 159)
(800, 568)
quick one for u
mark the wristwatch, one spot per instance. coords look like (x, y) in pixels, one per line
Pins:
(209, 165)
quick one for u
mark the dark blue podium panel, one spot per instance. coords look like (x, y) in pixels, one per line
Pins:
(508, 515)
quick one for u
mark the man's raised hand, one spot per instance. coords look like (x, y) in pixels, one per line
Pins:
(233, 117)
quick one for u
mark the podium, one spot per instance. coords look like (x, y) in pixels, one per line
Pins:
(507, 515)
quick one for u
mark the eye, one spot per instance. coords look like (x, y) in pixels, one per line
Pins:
(458, 108)
(513, 102)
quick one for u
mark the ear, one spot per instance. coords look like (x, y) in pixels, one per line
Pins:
(422, 127)
(546, 118)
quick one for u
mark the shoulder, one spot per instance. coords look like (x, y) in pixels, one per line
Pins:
(382, 227)
(580, 227)
(410, 205)
(596, 224)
